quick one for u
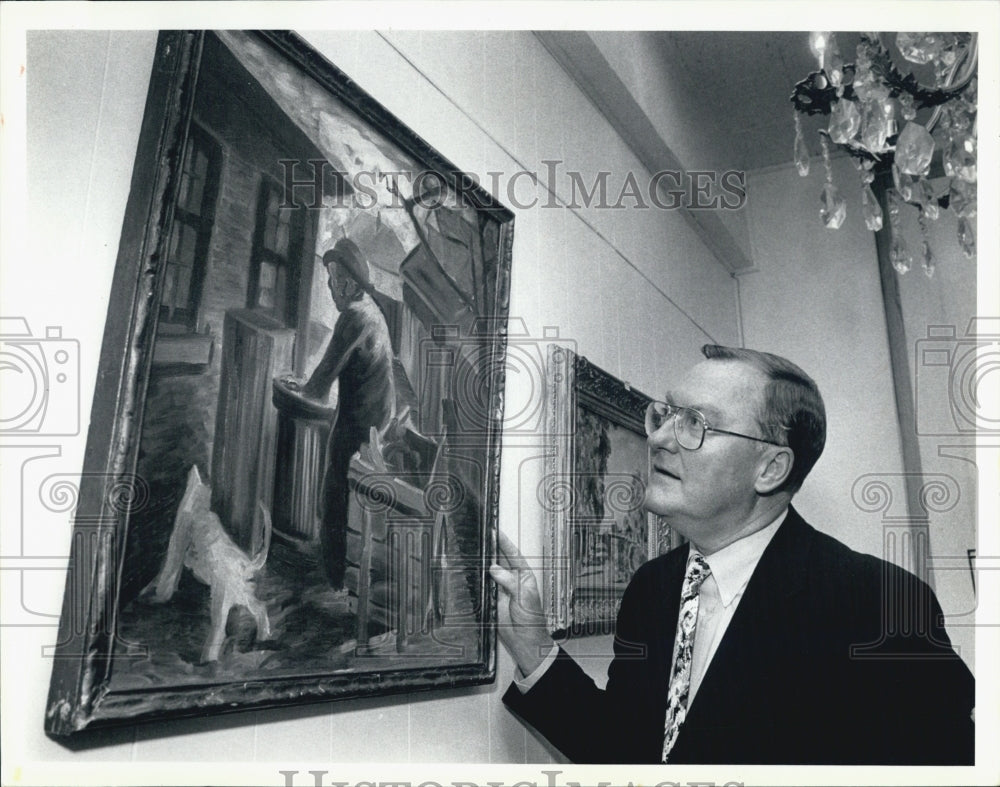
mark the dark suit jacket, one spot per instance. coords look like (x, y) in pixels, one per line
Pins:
(832, 657)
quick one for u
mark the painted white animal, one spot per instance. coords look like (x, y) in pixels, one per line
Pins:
(199, 542)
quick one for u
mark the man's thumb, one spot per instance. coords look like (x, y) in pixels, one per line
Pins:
(505, 579)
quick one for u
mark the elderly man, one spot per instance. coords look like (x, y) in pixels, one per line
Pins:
(762, 640)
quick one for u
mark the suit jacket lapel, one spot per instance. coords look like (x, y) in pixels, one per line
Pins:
(757, 636)
(667, 603)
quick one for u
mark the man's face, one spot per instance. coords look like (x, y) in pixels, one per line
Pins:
(709, 492)
(339, 282)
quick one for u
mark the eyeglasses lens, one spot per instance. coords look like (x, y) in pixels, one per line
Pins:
(689, 429)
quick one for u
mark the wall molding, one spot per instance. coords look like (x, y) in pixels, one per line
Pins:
(582, 60)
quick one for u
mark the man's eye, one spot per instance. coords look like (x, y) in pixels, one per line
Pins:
(690, 421)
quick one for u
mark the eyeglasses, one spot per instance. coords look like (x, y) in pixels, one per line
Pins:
(689, 425)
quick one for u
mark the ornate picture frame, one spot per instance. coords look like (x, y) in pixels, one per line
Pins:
(291, 481)
(597, 530)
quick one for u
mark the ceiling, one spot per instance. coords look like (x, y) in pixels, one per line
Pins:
(715, 99)
(745, 80)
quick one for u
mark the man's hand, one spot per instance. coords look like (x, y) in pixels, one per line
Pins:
(520, 620)
(291, 382)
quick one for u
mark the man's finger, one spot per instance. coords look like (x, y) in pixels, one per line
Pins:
(510, 555)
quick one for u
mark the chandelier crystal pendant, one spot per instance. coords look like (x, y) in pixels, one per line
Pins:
(874, 115)
(833, 207)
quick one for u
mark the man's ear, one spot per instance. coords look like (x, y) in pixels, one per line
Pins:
(777, 464)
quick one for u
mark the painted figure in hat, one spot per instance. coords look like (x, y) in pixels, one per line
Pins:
(360, 357)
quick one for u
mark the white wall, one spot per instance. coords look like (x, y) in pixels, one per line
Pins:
(930, 308)
(816, 298)
(489, 102)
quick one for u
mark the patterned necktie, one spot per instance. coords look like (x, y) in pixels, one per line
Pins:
(680, 676)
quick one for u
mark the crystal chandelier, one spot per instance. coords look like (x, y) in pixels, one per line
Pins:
(867, 101)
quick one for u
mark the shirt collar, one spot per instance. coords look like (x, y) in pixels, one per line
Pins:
(732, 566)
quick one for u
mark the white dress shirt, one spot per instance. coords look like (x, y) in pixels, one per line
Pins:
(719, 596)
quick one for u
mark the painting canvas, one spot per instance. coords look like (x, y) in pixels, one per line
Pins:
(290, 490)
(598, 532)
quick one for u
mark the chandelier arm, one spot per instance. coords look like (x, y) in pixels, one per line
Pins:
(884, 68)
(854, 149)
(956, 83)
(815, 95)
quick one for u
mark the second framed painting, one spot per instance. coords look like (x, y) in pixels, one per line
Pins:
(597, 530)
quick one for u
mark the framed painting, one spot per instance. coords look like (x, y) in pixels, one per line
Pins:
(597, 530)
(292, 472)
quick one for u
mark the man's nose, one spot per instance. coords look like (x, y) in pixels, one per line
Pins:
(664, 437)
